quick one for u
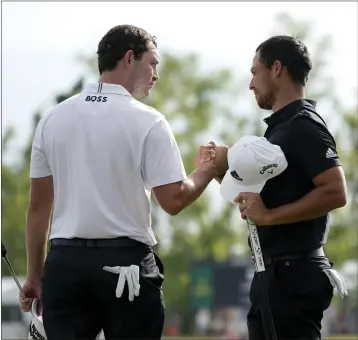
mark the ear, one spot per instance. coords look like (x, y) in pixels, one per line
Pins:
(277, 68)
(128, 57)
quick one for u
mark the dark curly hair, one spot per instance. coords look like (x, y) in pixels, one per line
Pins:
(292, 53)
(120, 39)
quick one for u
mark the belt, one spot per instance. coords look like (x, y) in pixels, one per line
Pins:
(295, 256)
(98, 243)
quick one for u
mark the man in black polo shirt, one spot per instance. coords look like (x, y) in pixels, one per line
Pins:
(291, 211)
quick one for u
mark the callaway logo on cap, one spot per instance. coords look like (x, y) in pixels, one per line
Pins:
(252, 161)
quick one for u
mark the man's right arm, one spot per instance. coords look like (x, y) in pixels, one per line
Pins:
(174, 197)
(164, 173)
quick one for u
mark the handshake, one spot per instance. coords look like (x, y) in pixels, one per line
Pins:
(212, 158)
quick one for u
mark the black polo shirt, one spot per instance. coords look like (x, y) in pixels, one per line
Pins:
(310, 149)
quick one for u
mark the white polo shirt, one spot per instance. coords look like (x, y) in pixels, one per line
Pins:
(105, 151)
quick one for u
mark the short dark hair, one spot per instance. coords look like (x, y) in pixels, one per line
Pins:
(120, 39)
(291, 52)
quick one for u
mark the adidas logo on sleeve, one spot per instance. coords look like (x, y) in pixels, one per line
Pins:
(330, 153)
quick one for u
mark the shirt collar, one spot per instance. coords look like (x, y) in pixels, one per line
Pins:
(288, 110)
(106, 88)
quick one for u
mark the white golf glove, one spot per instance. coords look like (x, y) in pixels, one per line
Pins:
(337, 281)
(129, 274)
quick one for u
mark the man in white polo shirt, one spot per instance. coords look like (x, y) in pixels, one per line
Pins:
(96, 157)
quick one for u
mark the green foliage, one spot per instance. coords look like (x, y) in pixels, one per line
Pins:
(14, 191)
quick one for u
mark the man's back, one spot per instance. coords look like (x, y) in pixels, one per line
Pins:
(94, 144)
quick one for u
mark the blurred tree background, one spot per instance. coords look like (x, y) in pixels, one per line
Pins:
(200, 106)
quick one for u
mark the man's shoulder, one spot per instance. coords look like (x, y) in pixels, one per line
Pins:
(68, 101)
(55, 111)
(308, 119)
(141, 108)
(306, 124)
(145, 116)
(63, 104)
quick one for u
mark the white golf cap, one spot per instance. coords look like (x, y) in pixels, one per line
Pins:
(36, 331)
(252, 161)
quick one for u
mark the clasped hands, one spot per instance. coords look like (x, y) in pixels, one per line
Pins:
(250, 204)
(212, 157)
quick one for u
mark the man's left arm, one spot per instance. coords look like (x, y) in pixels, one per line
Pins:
(40, 207)
(315, 152)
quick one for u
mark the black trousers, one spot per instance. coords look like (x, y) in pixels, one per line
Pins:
(79, 296)
(299, 292)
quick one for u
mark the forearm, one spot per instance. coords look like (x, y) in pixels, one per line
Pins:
(194, 186)
(37, 230)
(317, 203)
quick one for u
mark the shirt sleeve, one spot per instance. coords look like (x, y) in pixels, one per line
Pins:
(39, 166)
(162, 162)
(314, 148)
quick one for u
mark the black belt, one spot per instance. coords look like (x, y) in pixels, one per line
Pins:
(296, 256)
(98, 243)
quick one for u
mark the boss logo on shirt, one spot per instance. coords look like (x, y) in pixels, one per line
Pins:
(96, 99)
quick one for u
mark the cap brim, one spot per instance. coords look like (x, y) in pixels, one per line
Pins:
(230, 188)
(36, 326)
(37, 320)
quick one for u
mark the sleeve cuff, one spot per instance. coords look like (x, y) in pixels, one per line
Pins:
(39, 173)
(332, 164)
(168, 180)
